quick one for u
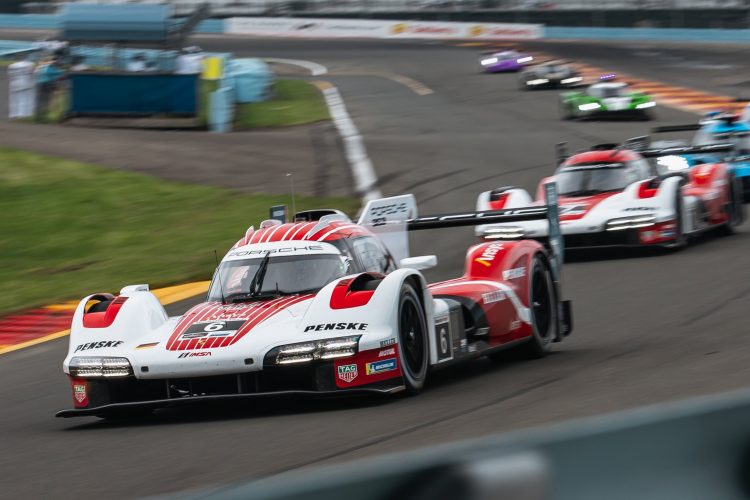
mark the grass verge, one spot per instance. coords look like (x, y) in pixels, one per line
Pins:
(294, 102)
(71, 228)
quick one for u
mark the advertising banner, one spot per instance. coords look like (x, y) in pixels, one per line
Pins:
(356, 28)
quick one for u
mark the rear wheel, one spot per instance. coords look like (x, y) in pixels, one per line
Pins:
(680, 240)
(543, 310)
(734, 208)
(413, 347)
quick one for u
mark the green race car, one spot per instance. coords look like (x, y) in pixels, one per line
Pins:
(606, 99)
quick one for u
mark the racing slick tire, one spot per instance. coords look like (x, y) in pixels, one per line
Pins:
(735, 209)
(413, 347)
(543, 308)
(565, 113)
(680, 240)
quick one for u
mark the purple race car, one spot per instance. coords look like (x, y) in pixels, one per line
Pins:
(505, 61)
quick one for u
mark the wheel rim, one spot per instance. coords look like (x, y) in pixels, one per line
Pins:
(541, 304)
(411, 333)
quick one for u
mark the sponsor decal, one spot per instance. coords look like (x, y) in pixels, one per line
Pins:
(387, 342)
(489, 253)
(399, 28)
(376, 367)
(210, 329)
(147, 346)
(387, 352)
(515, 324)
(572, 209)
(337, 326)
(515, 273)
(495, 296)
(296, 248)
(98, 345)
(639, 209)
(79, 393)
(194, 354)
(347, 373)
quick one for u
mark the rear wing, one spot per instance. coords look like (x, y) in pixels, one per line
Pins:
(691, 127)
(687, 150)
(392, 218)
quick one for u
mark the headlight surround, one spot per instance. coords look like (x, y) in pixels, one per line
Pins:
(574, 79)
(100, 367)
(634, 222)
(538, 81)
(589, 106)
(645, 105)
(305, 352)
(525, 59)
(488, 61)
(504, 233)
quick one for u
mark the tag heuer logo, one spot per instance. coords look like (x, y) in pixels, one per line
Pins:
(79, 391)
(348, 373)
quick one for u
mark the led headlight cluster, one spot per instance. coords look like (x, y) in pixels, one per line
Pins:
(100, 367)
(304, 352)
(644, 105)
(538, 81)
(574, 79)
(630, 222)
(504, 233)
(525, 59)
(590, 106)
(488, 61)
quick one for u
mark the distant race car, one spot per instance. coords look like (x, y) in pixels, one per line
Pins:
(606, 99)
(325, 307)
(612, 196)
(549, 75)
(717, 128)
(504, 61)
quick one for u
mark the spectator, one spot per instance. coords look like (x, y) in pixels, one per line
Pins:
(137, 63)
(21, 88)
(48, 75)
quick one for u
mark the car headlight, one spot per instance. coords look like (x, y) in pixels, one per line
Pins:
(488, 61)
(526, 59)
(574, 79)
(538, 81)
(304, 352)
(504, 233)
(633, 222)
(590, 106)
(100, 367)
(645, 105)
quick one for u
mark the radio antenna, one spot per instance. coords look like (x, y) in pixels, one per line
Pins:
(218, 276)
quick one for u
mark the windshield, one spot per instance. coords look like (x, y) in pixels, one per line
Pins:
(590, 178)
(292, 274)
(605, 92)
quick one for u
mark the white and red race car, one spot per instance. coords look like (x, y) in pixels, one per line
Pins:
(612, 196)
(323, 306)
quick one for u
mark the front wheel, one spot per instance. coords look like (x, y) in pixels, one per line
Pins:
(734, 209)
(680, 240)
(413, 348)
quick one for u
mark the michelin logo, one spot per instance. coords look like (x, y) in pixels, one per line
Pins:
(386, 365)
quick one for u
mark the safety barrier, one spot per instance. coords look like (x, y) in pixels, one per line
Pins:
(671, 34)
(250, 78)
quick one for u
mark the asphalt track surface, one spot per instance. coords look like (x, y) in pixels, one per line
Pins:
(649, 327)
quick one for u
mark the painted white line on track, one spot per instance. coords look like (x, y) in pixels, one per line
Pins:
(314, 68)
(365, 179)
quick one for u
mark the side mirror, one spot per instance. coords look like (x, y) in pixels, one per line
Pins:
(419, 263)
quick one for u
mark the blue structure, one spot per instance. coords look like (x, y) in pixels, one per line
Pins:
(108, 23)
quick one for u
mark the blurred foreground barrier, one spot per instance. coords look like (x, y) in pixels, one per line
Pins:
(53, 22)
(128, 94)
(692, 450)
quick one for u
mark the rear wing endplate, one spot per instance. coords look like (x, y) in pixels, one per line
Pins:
(386, 218)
